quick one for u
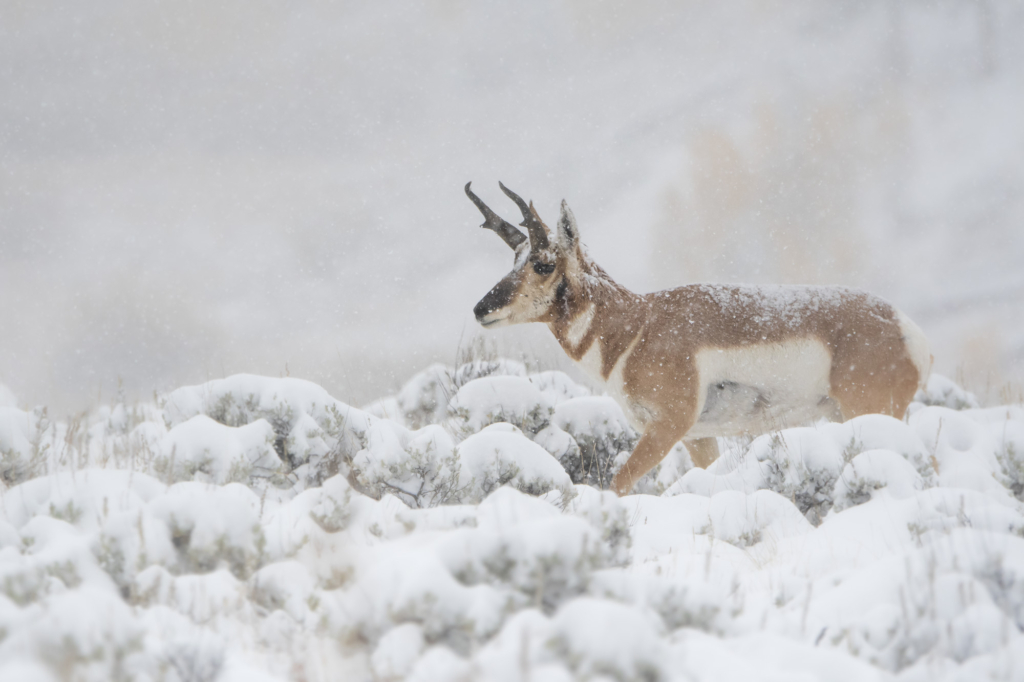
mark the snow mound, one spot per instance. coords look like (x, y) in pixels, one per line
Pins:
(508, 399)
(943, 392)
(424, 398)
(499, 455)
(309, 426)
(202, 449)
(557, 387)
(595, 637)
(872, 471)
(604, 437)
(479, 368)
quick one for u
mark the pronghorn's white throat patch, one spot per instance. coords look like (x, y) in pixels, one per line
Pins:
(579, 327)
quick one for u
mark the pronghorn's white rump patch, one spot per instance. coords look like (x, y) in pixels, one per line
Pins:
(753, 389)
(916, 344)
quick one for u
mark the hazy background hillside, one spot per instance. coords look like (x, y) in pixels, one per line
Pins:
(192, 189)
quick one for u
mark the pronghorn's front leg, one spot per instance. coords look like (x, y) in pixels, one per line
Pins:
(657, 440)
(703, 451)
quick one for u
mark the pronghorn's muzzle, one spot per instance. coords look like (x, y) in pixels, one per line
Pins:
(489, 310)
(485, 315)
(481, 309)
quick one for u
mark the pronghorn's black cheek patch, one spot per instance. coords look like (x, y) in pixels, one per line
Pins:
(562, 290)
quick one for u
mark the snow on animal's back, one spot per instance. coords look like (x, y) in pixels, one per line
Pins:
(727, 315)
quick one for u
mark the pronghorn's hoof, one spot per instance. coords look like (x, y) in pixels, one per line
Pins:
(620, 488)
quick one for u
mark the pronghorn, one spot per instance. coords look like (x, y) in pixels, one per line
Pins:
(705, 360)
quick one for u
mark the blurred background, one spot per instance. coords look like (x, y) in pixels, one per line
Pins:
(191, 189)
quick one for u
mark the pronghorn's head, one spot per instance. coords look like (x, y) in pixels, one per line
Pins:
(545, 269)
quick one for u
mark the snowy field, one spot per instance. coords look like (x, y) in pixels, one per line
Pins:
(255, 528)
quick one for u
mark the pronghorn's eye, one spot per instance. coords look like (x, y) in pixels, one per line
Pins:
(543, 268)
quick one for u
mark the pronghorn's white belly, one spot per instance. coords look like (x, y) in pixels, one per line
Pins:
(754, 389)
(742, 390)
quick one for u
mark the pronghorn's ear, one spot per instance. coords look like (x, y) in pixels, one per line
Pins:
(568, 234)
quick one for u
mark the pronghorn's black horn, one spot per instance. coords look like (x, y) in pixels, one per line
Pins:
(532, 223)
(505, 230)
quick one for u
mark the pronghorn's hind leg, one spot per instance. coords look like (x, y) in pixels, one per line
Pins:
(657, 440)
(703, 451)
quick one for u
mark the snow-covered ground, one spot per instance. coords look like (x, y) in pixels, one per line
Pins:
(255, 528)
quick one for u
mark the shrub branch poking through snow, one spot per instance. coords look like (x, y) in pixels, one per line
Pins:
(871, 471)
(481, 367)
(432, 471)
(425, 473)
(203, 449)
(526, 545)
(423, 400)
(489, 400)
(801, 472)
(23, 450)
(213, 529)
(603, 435)
(943, 392)
(1010, 455)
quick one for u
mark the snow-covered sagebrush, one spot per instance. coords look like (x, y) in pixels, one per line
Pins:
(254, 528)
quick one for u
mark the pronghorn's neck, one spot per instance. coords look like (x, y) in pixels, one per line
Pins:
(597, 318)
